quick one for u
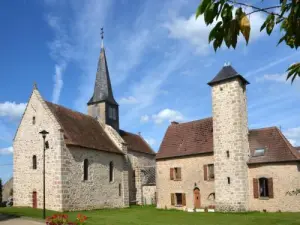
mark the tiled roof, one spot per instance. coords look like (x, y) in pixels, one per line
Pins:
(82, 130)
(226, 73)
(297, 148)
(136, 142)
(196, 137)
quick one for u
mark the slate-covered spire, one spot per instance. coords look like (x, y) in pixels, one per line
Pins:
(227, 73)
(102, 90)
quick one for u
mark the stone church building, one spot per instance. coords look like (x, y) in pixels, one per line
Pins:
(90, 162)
(218, 162)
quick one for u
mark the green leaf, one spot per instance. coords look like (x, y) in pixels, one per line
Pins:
(281, 40)
(209, 14)
(270, 24)
(214, 31)
(294, 72)
(226, 13)
(201, 8)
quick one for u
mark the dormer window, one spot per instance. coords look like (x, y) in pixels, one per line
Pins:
(112, 113)
(259, 152)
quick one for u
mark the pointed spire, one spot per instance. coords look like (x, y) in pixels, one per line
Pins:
(102, 90)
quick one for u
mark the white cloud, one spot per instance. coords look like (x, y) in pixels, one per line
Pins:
(196, 32)
(144, 118)
(167, 115)
(151, 141)
(293, 134)
(6, 151)
(12, 110)
(128, 100)
(281, 78)
(58, 82)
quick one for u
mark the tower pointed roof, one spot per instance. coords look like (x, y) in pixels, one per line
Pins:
(226, 73)
(102, 90)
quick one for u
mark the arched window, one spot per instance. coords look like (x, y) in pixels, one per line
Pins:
(111, 171)
(263, 187)
(34, 162)
(85, 169)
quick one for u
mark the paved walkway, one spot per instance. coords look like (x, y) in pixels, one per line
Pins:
(10, 220)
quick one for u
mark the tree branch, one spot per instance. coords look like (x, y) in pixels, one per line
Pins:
(257, 9)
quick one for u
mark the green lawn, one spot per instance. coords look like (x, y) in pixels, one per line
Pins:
(150, 215)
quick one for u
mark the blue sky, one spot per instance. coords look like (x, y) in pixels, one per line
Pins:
(159, 61)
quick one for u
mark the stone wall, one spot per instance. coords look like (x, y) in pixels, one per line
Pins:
(286, 177)
(97, 191)
(230, 131)
(137, 160)
(29, 142)
(192, 175)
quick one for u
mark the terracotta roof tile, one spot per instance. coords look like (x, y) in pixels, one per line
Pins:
(196, 137)
(82, 130)
(136, 143)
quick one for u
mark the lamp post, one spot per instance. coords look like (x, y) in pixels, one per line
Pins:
(45, 145)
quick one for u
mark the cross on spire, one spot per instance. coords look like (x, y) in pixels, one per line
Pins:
(102, 36)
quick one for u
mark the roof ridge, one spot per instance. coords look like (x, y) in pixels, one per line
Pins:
(72, 110)
(192, 121)
(288, 143)
(263, 128)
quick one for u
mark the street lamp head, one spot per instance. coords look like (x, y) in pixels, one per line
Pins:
(44, 133)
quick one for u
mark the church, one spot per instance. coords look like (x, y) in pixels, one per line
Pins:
(219, 163)
(90, 162)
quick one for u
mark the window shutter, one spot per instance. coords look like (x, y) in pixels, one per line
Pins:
(255, 188)
(172, 173)
(172, 199)
(179, 173)
(205, 172)
(270, 188)
(183, 199)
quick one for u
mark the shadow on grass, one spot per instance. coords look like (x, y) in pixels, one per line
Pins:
(7, 217)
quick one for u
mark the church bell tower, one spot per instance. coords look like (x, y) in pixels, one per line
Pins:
(102, 104)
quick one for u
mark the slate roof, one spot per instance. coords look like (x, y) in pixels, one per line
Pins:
(85, 131)
(196, 137)
(136, 142)
(82, 130)
(226, 73)
(102, 89)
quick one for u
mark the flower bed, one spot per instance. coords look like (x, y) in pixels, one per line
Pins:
(62, 219)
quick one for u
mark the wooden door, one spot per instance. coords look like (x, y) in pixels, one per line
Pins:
(197, 202)
(34, 200)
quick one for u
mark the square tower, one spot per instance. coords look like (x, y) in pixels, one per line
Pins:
(230, 140)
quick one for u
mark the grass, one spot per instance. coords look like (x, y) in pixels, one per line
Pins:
(149, 215)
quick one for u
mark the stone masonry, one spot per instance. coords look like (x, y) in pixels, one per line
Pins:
(231, 147)
(29, 142)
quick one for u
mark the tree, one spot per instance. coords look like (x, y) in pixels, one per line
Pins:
(230, 19)
(0, 191)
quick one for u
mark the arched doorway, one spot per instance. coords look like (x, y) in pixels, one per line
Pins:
(197, 201)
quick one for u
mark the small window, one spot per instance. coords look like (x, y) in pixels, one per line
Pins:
(227, 153)
(228, 180)
(111, 171)
(263, 187)
(120, 190)
(114, 114)
(85, 169)
(177, 173)
(34, 162)
(178, 198)
(33, 120)
(259, 152)
(110, 112)
(211, 171)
